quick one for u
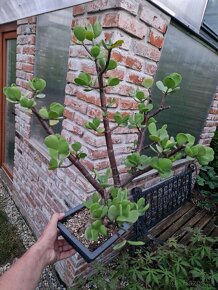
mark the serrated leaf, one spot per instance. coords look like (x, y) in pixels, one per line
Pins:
(80, 33)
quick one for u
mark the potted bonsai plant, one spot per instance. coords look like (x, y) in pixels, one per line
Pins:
(110, 211)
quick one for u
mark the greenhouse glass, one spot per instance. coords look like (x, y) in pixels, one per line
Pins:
(198, 66)
(52, 45)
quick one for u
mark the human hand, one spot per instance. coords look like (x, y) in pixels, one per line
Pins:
(53, 249)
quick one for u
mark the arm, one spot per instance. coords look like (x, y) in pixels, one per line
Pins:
(25, 273)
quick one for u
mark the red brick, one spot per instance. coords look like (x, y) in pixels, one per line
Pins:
(97, 154)
(117, 56)
(88, 66)
(80, 119)
(69, 113)
(77, 51)
(78, 10)
(125, 22)
(213, 111)
(76, 104)
(150, 67)
(102, 164)
(70, 89)
(154, 18)
(128, 104)
(88, 97)
(117, 73)
(129, 5)
(27, 67)
(133, 62)
(156, 38)
(94, 112)
(84, 21)
(135, 77)
(72, 127)
(147, 50)
(29, 49)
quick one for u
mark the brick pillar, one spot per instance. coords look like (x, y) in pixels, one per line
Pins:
(211, 122)
(142, 27)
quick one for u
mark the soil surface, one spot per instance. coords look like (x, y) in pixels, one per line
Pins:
(77, 225)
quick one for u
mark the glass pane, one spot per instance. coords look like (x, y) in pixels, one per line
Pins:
(9, 108)
(211, 15)
(52, 45)
(198, 66)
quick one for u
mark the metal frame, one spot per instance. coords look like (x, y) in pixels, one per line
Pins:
(8, 31)
(164, 199)
(11, 10)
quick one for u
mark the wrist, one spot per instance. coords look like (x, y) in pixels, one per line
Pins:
(39, 255)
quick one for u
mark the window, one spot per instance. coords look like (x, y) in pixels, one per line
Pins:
(52, 45)
(209, 27)
(198, 66)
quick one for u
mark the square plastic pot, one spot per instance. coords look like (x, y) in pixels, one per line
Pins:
(88, 255)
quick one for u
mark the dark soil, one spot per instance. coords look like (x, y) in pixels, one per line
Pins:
(10, 244)
(77, 225)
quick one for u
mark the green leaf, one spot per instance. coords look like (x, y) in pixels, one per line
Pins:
(43, 113)
(53, 164)
(83, 79)
(27, 103)
(113, 81)
(58, 108)
(97, 29)
(76, 146)
(53, 122)
(51, 141)
(88, 233)
(63, 147)
(181, 138)
(112, 64)
(147, 83)
(117, 43)
(136, 243)
(112, 212)
(103, 230)
(152, 129)
(90, 35)
(37, 84)
(82, 155)
(95, 50)
(80, 33)
(120, 245)
(161, 86)
(12, 93)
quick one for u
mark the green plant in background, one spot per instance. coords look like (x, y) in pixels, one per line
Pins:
(172, 266)
(111, 203)
(214, 145)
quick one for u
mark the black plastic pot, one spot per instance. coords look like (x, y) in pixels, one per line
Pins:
(88, 255)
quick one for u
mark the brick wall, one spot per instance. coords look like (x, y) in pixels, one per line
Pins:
(39, 192)
(211, 122)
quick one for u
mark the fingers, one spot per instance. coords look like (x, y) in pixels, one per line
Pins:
(66, 254)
